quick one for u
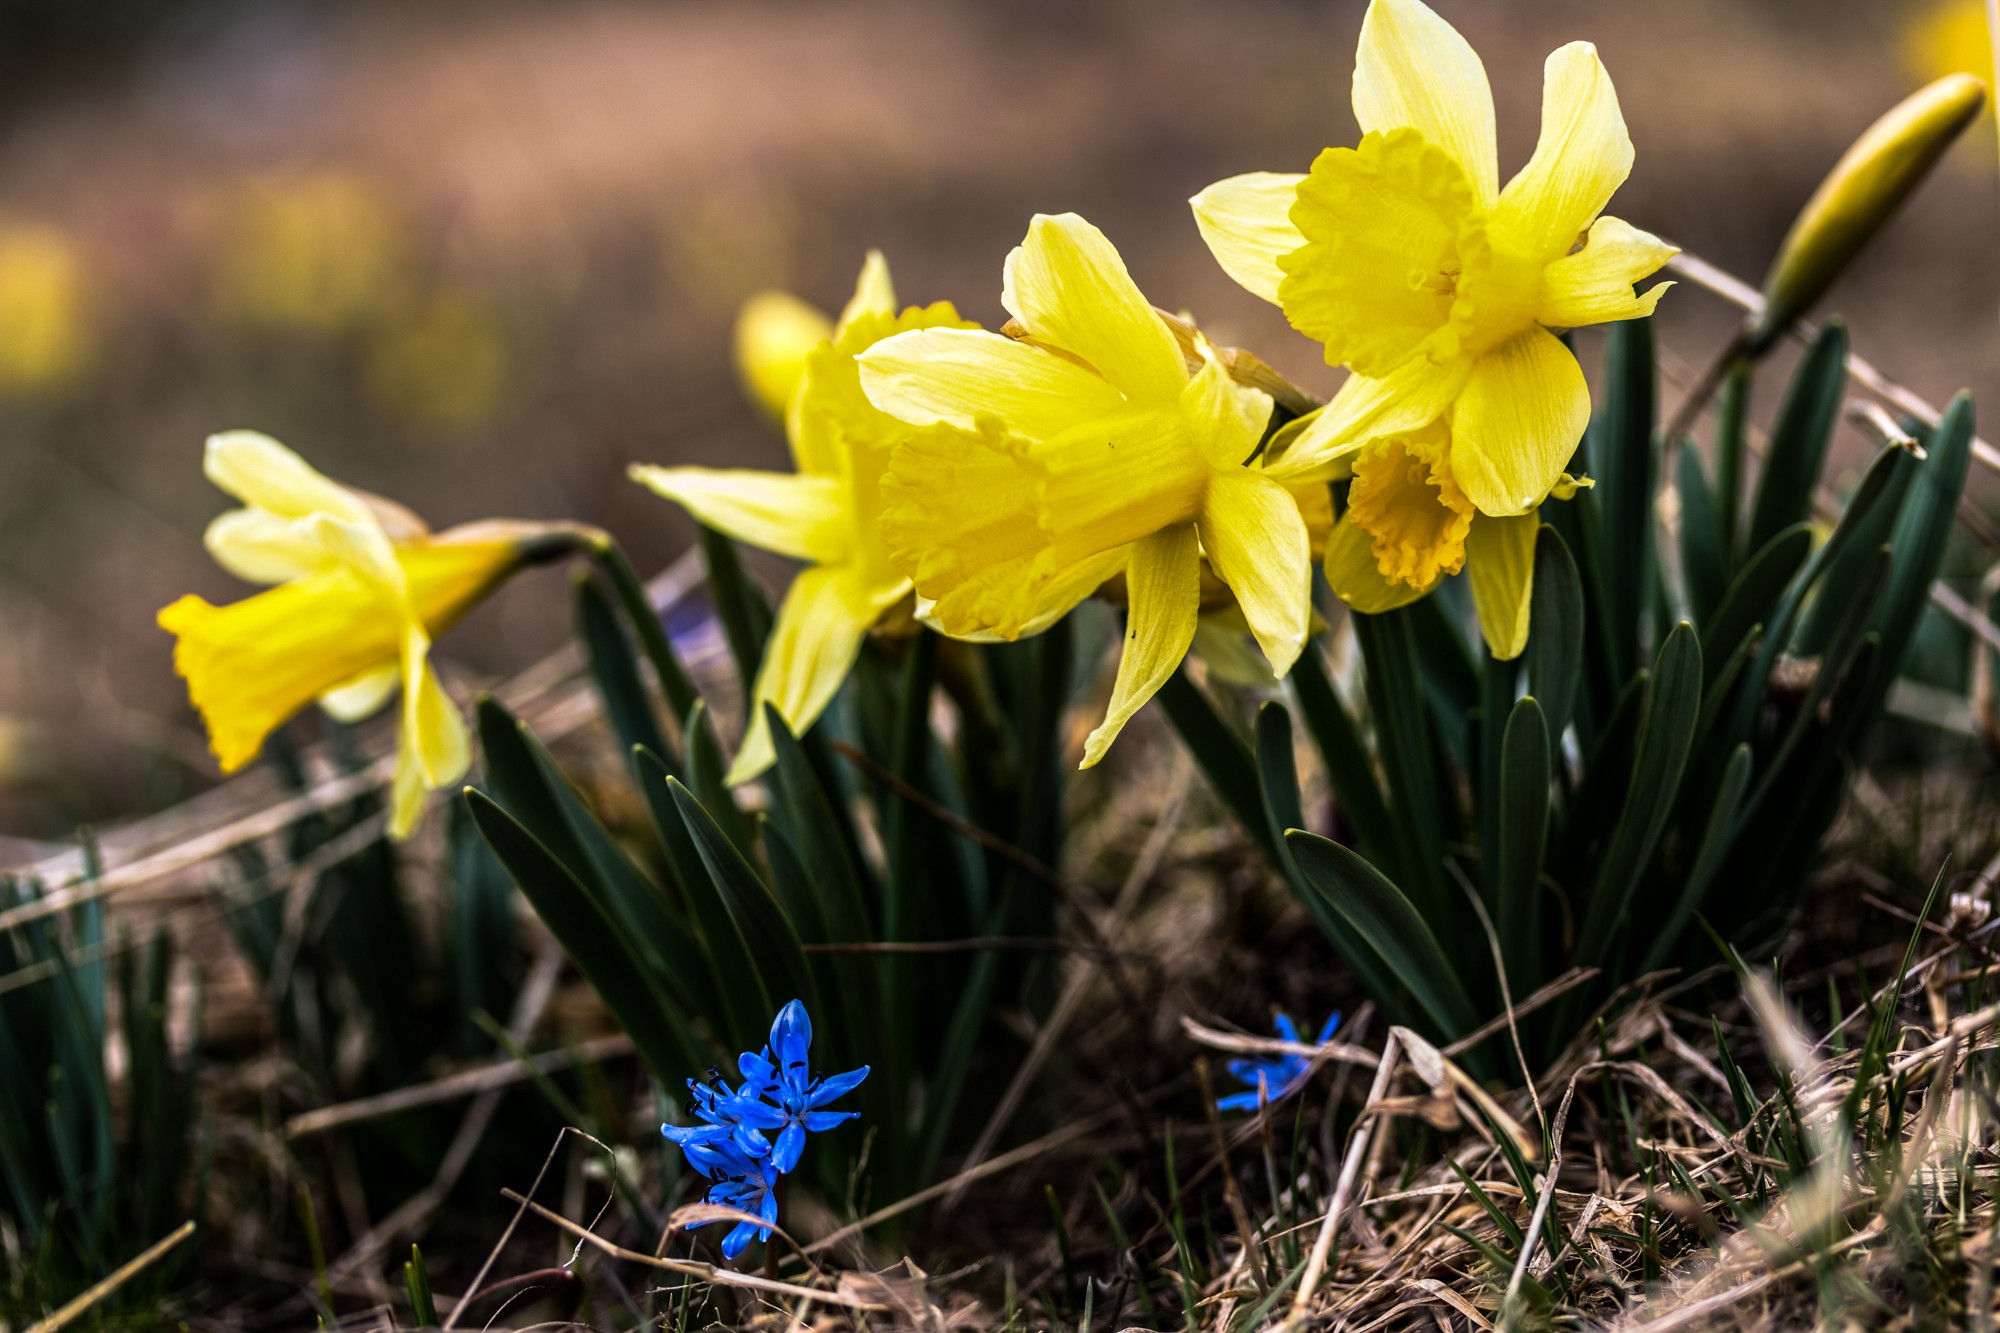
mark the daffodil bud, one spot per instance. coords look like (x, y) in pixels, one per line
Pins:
(774, 334)
(1878, 171)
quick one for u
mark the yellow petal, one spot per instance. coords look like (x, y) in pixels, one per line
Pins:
(1518, 422)
(258, 546)
(1247, 222)
(1582, 158)
(1594, 285)
(799, 516)
(873, 295)
(442, 746)
(363, 696)
(1322, 445)
(408, 796)
(1414, 70)
(1226, 419)
(958, 377)
(1112, 481)
(1068, 285)
(1353, 574)
(363, 548)
(819, 629)
(774, 333)
(1256, 541)
(1230, 654)
(264, 474)
(1390, 231)
(1501, 567)
(1163, 591)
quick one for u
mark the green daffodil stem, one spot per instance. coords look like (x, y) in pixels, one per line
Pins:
(630, 590)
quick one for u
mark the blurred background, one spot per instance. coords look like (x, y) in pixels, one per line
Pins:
(480, 257)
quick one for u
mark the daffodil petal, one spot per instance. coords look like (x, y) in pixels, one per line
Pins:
(363, 695)
(363, 548)
(1163, 589)
(1355, 577)
(803, 517)
(813, 643)
(1500, 562)
(874, 293)
(775, 331)
(408, 796)
(1255, 539)
(1414, 70)
(1070, 288)
(1594, 285)
(1247, 222)
(1322, 446)
(1517, 423)
(259, 546)
(264, 474)
(1227, 419)
(1113, 480)
(1583, 156)
(958, 377)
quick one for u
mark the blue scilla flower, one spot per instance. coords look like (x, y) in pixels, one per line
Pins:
(721, 1111)
(781, 1074)
(743, 1181)
(1273, 1077)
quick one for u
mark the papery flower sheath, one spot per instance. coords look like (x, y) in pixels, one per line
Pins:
(362, 589)
(1089, 445)
(824, 513)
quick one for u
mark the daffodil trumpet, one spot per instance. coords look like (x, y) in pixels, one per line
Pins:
(800, 366)
(361, 589)
(1088, 446)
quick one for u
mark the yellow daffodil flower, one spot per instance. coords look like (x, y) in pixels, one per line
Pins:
(362, 588)
(1088, 445)
(1407, 259)
(825, 512)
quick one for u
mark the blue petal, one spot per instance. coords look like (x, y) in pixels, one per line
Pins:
(751, 1141)
(686, 1134)
(791, 1038)
(758, 1072)
(821, 1121)
(791, 1143)
(737, 1240)
(1237, 1101)
(1245, 1071)
(760, 1114)
(1287, 1028)
(837, 1086)
(1332, 1026)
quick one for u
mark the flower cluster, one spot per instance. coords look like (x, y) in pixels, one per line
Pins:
(983, 483)
(1272, 1078)
(749, 1135)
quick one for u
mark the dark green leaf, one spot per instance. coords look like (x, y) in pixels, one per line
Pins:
(1619, 446)
(1223, 757)
(627, 705)
(1672, 705)
(774, 945)
(1704, 570)
(598, 945)
(1723, 821)
(739, 605)
(1753, 596)
(1348, 762)
(1379, 913)
(1799, 438)
(1523, 801)
(1555, 630)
